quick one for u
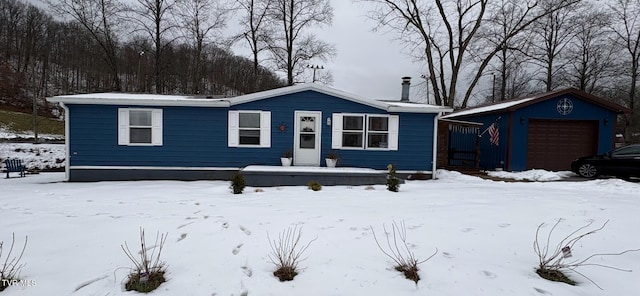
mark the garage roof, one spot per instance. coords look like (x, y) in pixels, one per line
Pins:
(515, 104)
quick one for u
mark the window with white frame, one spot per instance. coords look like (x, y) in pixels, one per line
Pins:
(139, 127)
(249, 129)
(365, 131)
(378, 132)
(353, 131)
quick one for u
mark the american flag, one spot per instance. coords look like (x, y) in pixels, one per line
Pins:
(494, 132)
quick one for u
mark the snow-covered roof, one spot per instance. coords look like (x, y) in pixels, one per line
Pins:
(172, 100)
(519, 103)
(138, 99)
(384, 105)
(486, 109)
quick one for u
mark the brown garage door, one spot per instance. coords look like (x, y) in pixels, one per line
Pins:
(553, 144)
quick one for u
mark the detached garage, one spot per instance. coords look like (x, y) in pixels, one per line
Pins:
(546, 131)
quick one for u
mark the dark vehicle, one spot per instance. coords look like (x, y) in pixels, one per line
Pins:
(623, 162)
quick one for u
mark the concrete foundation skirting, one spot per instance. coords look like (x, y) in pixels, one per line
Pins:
(256, 176)
(93, 175)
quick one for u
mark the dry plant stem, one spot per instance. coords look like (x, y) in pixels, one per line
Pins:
(397, 247)
(287, 251)
(554, 260)
(11, 266)
(148, 262)
(569, 240)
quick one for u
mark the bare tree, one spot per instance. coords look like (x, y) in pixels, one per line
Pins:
(551, 34)
(291, 48)
(442, 32)
(201, 21)
(101, 18)
(626, 26)
(591, 56)
(254, 26)
(509, 71)
(12, 17)
(153, 19)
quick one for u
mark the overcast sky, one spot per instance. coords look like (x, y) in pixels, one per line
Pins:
(369, 64)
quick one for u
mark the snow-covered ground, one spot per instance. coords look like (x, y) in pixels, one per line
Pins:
(532, 175)
(483, 231)
(6, 134)
(40, 156)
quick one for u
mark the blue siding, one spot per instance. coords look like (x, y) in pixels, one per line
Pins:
(582, 110)
(515, 132)
(492, 156)
(197, 136)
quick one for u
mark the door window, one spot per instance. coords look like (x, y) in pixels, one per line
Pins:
(307, 132)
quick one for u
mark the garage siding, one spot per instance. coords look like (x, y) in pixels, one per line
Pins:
(553, 144)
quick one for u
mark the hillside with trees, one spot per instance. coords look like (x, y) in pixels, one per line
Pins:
(101, 49)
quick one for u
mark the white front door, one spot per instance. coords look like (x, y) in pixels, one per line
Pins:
(307, 138)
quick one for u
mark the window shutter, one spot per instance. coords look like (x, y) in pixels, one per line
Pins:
(234, 136)
(394, 127)
(265, 129)
(156, 127)
(336, 131)
(123, 126)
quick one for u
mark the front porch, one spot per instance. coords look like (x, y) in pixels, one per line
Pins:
(264, 176)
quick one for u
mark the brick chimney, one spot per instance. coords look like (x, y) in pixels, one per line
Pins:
(406, 82)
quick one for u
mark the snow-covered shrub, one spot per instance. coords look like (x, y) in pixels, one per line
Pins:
(148, 271)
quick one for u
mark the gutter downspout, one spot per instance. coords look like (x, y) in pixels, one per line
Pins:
(435, 145)
(67, 145)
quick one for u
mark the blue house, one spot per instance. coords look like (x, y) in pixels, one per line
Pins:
(545, 131)
(116, 136)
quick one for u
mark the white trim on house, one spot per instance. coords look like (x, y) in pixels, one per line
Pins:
(434, 159)
(192, 101)
(307, 156)
(67, 141)
(160, 168)
(461, 121)
(138, 99)
(490, 108)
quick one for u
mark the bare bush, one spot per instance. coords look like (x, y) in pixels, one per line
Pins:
(397, 248)
(11, 266)
(286, 253)
(553, 259)
(148, 271)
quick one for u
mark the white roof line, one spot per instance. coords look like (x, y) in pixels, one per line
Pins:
(172, 100)
(386, 106)
(138, 99)
(495, 107)
(304, 87)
